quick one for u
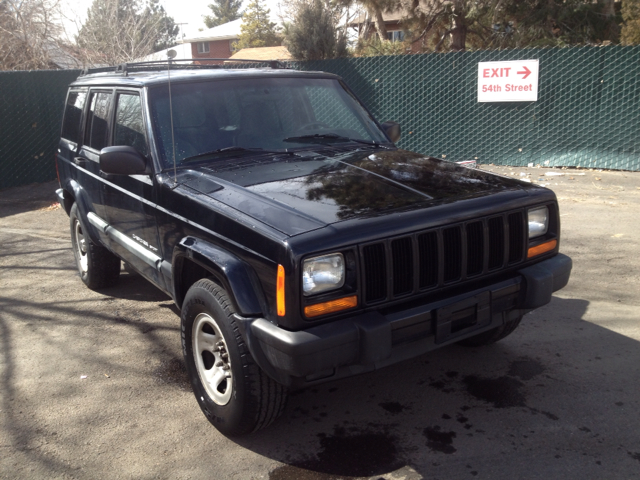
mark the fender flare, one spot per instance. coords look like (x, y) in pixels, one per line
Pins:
(81, 198)
(235, 275)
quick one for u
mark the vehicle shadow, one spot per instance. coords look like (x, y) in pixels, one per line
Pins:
(26, 198)
(132, 286)
(417, 413)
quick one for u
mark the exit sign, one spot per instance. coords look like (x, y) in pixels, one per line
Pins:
(512, 81)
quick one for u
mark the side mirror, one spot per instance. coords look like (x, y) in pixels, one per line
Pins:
(392, 129)
(122, 160)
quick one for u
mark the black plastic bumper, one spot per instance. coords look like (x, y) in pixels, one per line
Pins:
(372, 340)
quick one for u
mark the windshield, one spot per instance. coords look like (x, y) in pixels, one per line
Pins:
(256, 113)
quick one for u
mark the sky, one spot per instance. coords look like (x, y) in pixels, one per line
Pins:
(187, 12)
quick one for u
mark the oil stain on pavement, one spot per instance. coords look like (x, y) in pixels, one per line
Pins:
(502, 392)
(343, 455)
(505, 391)
(439, 441)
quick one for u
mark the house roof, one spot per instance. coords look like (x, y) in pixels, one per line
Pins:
(388, 17)
(263, 53)
(226, 31)
(64, 56)
(183, 52)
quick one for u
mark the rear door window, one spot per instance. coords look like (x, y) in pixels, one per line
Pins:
(97, 131)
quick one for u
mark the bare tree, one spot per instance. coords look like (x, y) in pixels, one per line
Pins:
(29, 31)
(118, 31)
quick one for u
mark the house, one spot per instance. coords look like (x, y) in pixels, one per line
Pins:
(183, 52)
(63, 56)
(216, 42)
(364, 25)
(262, 53)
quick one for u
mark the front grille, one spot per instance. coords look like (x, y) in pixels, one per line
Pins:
(402, 252)
(376, 278)
(442, 256)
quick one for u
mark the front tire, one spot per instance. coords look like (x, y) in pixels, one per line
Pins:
(98, 267)
(235, 395)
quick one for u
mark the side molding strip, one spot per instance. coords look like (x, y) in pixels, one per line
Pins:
(131, 245)
(162, 209)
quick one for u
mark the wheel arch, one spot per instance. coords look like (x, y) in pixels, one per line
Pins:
(194, 259)
(74, 193)
(66, 199)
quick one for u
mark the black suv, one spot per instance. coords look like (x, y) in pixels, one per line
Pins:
(301, 245)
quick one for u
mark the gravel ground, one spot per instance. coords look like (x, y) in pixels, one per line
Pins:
(92, 385)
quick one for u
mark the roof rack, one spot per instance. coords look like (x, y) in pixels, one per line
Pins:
(175, 64)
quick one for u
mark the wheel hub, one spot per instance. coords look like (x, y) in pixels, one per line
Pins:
(81, 247)
(212, 359)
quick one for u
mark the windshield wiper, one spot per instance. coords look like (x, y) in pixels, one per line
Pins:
(328, 136)
(225, 150)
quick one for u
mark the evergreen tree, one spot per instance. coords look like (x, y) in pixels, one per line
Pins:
(631, 29)
(561, 22)
(119, 31)
(257, 30)
(488, 24)
(224, 11)
(159, 25)
(313, 34)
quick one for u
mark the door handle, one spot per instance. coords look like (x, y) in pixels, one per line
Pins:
(79, 161)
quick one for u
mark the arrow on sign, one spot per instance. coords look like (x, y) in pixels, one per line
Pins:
(526, 72)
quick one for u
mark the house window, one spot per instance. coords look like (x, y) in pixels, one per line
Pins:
(203, 47)
(396, 36)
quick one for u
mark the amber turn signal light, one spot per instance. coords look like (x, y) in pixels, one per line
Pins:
(331, 307)
(280, 292)
(542, 248)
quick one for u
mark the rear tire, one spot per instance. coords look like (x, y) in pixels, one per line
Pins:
(98, 267)
(492, 336)
(235, 395)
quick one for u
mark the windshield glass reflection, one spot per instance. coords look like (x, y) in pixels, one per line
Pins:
(256, 113)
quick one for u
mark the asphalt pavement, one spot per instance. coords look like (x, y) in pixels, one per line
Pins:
(92, 384)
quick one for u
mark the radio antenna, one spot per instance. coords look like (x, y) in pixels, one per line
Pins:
(171, 54)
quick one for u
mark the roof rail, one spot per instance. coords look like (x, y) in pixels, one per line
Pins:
(155, 65)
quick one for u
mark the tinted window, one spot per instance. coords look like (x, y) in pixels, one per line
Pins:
(329, 108)
(269, 113)
(129, 128)
(97, 133)
(73, 115)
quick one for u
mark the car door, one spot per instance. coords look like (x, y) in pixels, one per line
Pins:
(85, 131)
(129, 200)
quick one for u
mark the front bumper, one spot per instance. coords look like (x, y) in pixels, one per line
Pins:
(374, 339)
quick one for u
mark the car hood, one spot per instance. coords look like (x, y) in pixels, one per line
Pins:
(296, 194)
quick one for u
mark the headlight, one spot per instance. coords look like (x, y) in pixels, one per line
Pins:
(321, 274)
(538, 221)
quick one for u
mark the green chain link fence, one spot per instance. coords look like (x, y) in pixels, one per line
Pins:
(587, 113)
(31, 105)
